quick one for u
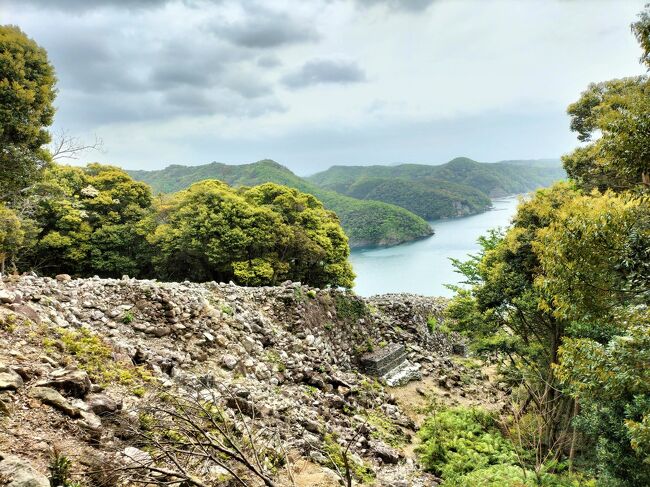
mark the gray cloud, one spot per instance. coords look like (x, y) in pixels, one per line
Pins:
(269, 62)
(264, 29)
(322, 71)
(406, 5)
(115, 67)
(72, 6)
(193, 80)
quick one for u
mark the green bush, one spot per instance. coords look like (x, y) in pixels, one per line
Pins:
(460, 440)
(465, 447)
(59, 468)
(349, 307)
(127, 318)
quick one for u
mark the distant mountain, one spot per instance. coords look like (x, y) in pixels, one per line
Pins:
(367, 223)
(381, 205)
(429, 198)
(492, 179)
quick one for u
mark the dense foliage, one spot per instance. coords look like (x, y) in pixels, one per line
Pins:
(465, 447)
(618, 112)
(257, 236)
(86, 221)
(12, 237)
(560, 299)
(98, 220)
(430, 199)
(366, 223)
(468, 177)
(26, 95)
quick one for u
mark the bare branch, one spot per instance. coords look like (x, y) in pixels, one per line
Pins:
(66, 146)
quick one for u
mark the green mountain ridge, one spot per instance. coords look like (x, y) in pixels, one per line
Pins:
(380, 205)
(495, 179)
(366, 223)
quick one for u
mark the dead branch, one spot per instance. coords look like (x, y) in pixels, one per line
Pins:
(66, 146)
(188, 432)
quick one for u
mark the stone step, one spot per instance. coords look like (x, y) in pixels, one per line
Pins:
(381, 361)
(402, 374)
(395, 361)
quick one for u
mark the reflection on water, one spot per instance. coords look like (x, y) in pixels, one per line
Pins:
(423, 267)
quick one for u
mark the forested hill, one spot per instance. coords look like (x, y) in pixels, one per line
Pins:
(381, 205)
(366, 223)
(492, 179)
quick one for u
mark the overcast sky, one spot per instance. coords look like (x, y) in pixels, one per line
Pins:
(321, 82)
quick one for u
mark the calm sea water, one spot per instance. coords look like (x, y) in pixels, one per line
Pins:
(423, 267)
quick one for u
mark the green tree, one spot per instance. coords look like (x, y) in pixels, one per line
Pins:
(593, 259)
(207, 229)
(612, 382)
(316, 248)
(89, 221)
(26, 95)
(641, 29)
(12, 236)
(255, 236)
(619, 112)
(506, 314)
(594, 273)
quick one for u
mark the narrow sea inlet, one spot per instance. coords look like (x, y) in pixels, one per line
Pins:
(424, 266)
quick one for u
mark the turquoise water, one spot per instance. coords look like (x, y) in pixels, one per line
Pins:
(423, 267)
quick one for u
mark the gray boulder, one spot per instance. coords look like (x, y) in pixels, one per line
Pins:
(9, 380)
(101, 404)
(75, 383)
(20, 473)
(54, 399)
(229, 361)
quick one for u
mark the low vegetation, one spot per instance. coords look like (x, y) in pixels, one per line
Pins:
(465, 446)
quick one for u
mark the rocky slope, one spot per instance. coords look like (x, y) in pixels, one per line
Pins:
(82, 361)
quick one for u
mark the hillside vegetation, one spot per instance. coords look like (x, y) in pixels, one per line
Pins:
(380, 205)
(492, 179)
(430, 199)
(366, 223)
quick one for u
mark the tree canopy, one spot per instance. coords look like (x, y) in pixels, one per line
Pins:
(88, 221)
(27, 91)
(619, 112)
(255, 236)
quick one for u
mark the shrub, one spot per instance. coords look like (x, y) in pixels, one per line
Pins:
(349, 307)
(459, 440)
(8, 323)
(437, 326)
(59, 468)
(128, 318)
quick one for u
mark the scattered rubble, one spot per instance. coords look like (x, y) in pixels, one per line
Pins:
(307, 363)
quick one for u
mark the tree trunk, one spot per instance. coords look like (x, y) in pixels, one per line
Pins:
(645, 178)
(574, 435)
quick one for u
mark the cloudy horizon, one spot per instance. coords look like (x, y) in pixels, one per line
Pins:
(315, 84)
